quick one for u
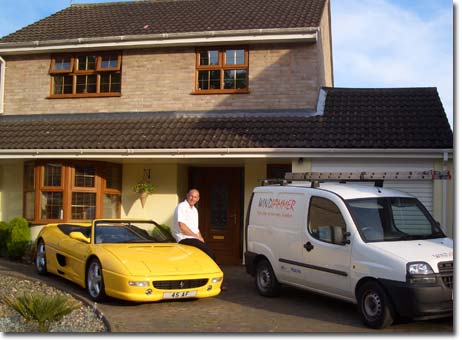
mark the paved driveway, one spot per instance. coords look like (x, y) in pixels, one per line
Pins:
(238, 309)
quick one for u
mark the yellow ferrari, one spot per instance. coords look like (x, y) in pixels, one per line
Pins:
(135, 260)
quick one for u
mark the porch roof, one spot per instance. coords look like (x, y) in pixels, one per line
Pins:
(407, 118)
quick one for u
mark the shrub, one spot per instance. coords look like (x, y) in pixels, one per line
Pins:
(4, 236)
(42, 308)
(19, 238)
(163, 233)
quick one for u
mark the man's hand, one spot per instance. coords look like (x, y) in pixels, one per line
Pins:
(185, 230)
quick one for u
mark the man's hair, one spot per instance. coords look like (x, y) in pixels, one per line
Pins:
(191, 191)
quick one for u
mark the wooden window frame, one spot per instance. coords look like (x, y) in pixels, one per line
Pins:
(74, 72)
(68, 187)
(222, 67)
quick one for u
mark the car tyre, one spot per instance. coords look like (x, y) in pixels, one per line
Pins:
(40, 259)
(374, 306)
(265, 280)
(95, 280)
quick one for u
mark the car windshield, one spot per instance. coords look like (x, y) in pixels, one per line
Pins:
(393, 219)
(131, 232)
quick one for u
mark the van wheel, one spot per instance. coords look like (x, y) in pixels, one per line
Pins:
(374, 306)
(265, 280)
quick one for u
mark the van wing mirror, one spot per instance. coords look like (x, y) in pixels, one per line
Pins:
(346, 236)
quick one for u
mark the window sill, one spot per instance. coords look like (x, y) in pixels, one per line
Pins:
(220, 92)
(87, 95)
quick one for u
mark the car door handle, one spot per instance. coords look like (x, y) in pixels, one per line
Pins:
(308, 246)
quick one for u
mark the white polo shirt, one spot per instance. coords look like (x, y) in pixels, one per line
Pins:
(188, 215)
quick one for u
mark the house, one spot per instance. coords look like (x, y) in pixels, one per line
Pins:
(210, 94)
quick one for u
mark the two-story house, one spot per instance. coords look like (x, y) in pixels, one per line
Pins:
(211, 94)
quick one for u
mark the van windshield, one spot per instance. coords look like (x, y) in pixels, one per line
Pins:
(393, 219)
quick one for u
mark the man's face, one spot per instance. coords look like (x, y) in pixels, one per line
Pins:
(192, 197)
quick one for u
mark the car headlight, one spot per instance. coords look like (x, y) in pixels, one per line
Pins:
(420, 273)
(138, 283)
(216, 279)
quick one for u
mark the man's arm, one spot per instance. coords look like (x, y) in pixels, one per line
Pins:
(185, 230)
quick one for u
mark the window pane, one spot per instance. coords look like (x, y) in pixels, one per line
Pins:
(62, 84)
(29, 205)
(409, 218)
(235, 57)
(208, 58)
(85, 176)
(62, 64)
(86, 62)
(86, 84)
(111, 206)
(209, 80)
(29, 171)
(109, 61)
(235, 79)
(113, 178)
(83, 205)
(326, 222)
(52, 175)
(110, 82)
(52, 205)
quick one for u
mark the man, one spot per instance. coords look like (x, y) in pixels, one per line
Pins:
(186, 224)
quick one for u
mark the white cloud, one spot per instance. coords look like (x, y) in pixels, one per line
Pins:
(377, 43)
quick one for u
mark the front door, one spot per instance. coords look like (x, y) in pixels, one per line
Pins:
(220, 212)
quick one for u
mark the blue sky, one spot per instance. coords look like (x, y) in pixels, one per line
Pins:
(376, 43)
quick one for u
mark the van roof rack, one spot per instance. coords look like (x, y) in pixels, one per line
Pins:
(361, 176)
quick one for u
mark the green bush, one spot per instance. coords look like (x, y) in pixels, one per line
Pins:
(163, 233)
(19, 239)
(4, 236)
(41, 308)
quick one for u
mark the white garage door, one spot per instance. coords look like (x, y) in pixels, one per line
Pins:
(423, 190)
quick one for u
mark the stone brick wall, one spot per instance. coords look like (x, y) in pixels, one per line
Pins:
(281, 76)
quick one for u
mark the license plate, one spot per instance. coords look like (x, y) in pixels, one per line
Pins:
(180, 295)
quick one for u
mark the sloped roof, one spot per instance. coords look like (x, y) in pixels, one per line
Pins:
(169, 16)
(409, 118)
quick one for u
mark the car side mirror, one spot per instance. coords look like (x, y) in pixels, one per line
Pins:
(77, 235)
(345, 238)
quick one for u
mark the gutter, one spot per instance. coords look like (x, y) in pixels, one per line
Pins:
(220, 153)
(2, 83)
(165, 39)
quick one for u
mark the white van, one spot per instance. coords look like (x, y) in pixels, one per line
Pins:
(375, 247)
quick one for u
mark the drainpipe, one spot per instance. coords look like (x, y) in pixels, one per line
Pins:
(2, 83)
(443, 217)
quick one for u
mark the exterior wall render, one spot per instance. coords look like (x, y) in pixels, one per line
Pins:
(11, 194)
(325, 49)
(280, 76)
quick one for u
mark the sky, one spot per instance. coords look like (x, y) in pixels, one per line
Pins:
(376, 43)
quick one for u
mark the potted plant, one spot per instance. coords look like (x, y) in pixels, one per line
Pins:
(143, 189)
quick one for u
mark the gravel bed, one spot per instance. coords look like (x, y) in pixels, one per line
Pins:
(82, 320)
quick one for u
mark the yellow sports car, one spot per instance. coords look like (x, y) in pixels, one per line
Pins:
(136, 260)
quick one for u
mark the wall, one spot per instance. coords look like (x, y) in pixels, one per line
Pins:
(11, 195)
(325, 48)
(163, 80)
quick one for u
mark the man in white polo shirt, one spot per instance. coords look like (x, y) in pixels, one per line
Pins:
(186, 224)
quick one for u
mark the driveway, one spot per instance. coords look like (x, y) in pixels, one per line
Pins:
(239, 309)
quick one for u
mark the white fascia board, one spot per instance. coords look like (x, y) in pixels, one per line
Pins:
(221, 153)
(163, 40)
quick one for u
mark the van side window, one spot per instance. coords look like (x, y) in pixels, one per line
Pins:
(325, 221)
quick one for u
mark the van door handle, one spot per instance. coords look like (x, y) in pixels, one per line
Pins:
(308, 246)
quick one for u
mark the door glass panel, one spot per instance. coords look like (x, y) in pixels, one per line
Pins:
(326, 222)
(219, 209)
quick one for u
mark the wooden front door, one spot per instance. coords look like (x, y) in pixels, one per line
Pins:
(220, 210)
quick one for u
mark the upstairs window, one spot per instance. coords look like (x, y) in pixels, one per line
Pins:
(86, 75)
(222, 70)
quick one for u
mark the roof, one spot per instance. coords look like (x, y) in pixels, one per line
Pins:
(169, 16)
(403, 118)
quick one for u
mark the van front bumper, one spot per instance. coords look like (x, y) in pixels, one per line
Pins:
(420, 301)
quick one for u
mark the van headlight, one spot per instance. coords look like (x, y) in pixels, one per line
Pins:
(420, 273)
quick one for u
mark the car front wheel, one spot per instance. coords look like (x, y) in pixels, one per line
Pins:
(95, 281)
(374, 306)
(40, 258)
(265, 280)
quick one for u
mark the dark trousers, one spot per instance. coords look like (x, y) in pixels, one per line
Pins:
(198, 244)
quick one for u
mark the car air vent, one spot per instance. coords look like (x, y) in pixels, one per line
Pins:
(446, 272)
(179, 284)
